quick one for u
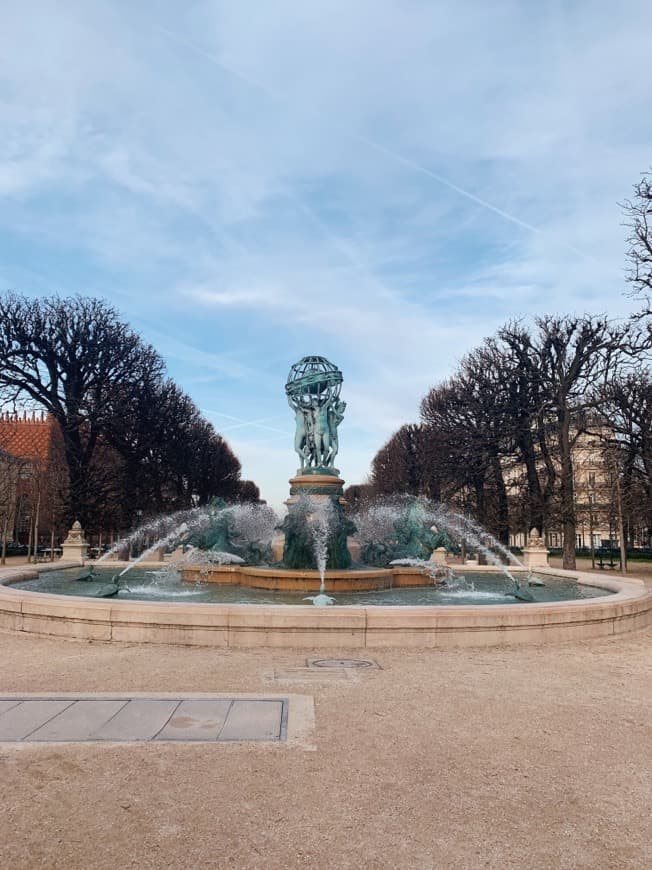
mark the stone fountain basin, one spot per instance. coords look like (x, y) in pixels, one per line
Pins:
(298, 626)
(287, 580)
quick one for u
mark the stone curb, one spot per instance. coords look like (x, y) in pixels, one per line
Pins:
(305, 626)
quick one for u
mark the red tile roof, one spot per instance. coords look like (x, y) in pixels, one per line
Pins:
(28, 436)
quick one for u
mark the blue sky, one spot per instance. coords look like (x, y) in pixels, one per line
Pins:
(383, 183)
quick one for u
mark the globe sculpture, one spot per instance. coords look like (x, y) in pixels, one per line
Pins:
(313, 392)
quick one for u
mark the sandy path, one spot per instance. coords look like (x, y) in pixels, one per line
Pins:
(527, 758)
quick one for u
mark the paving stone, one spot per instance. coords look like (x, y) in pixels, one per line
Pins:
(253, 720)
(79, 721)
(126, 719)
(19, 722)
(140, 719)
(196, 720)
(7, 704)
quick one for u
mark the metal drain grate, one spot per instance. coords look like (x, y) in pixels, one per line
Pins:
(342, 663)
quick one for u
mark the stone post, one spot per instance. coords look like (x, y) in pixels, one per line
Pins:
(75, 547)
(535, 555)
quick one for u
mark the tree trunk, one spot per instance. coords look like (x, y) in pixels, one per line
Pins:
(535, 496)
(568, 519)
(503, 503)
(77, 472)
(29, 539)
(36, 520)
(550, 481)
(5, 535)
(480, 500)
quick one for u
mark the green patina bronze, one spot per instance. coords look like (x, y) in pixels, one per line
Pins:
(299, 550)
(412, 538)
(443, 539)
(217, 533)
(313, 392)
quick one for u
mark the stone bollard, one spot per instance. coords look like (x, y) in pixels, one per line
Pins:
(75, 547)
(535, 555)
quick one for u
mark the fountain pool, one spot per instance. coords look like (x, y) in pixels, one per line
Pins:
(165, 584)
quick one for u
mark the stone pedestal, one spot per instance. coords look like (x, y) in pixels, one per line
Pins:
(318, 483)
(535, 555)
(75, 547)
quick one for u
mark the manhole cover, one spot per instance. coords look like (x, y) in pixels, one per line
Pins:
(341, 663)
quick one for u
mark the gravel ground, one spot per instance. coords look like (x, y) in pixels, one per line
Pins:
(538, 757)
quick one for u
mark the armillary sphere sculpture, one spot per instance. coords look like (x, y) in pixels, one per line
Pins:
(313, 391)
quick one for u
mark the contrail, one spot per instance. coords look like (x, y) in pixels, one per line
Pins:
(382, 149)
(241, 422)
(418, 167)
(252, 423)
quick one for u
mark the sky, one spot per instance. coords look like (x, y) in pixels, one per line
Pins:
(381, 182)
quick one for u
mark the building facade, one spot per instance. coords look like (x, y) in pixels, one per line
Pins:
(595, 485)
(33, 479)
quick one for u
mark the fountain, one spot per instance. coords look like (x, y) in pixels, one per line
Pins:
(242, 566)
(232, 544)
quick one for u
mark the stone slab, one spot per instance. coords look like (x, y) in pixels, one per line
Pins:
(28, 716)
(196, 720)
(253, 720)
(79, 721)
(7, 705)
(139, 719)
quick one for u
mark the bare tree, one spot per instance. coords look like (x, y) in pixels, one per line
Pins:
(397, 467)
(526, 420)
(577, 356)
(464, 418)
(69, 356)
(10, 469)
(248, 492)
(638, 220)
(628, 409)
(133, 441)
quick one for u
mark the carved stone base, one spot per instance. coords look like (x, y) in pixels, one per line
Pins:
(535, 557)
(315, 484)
